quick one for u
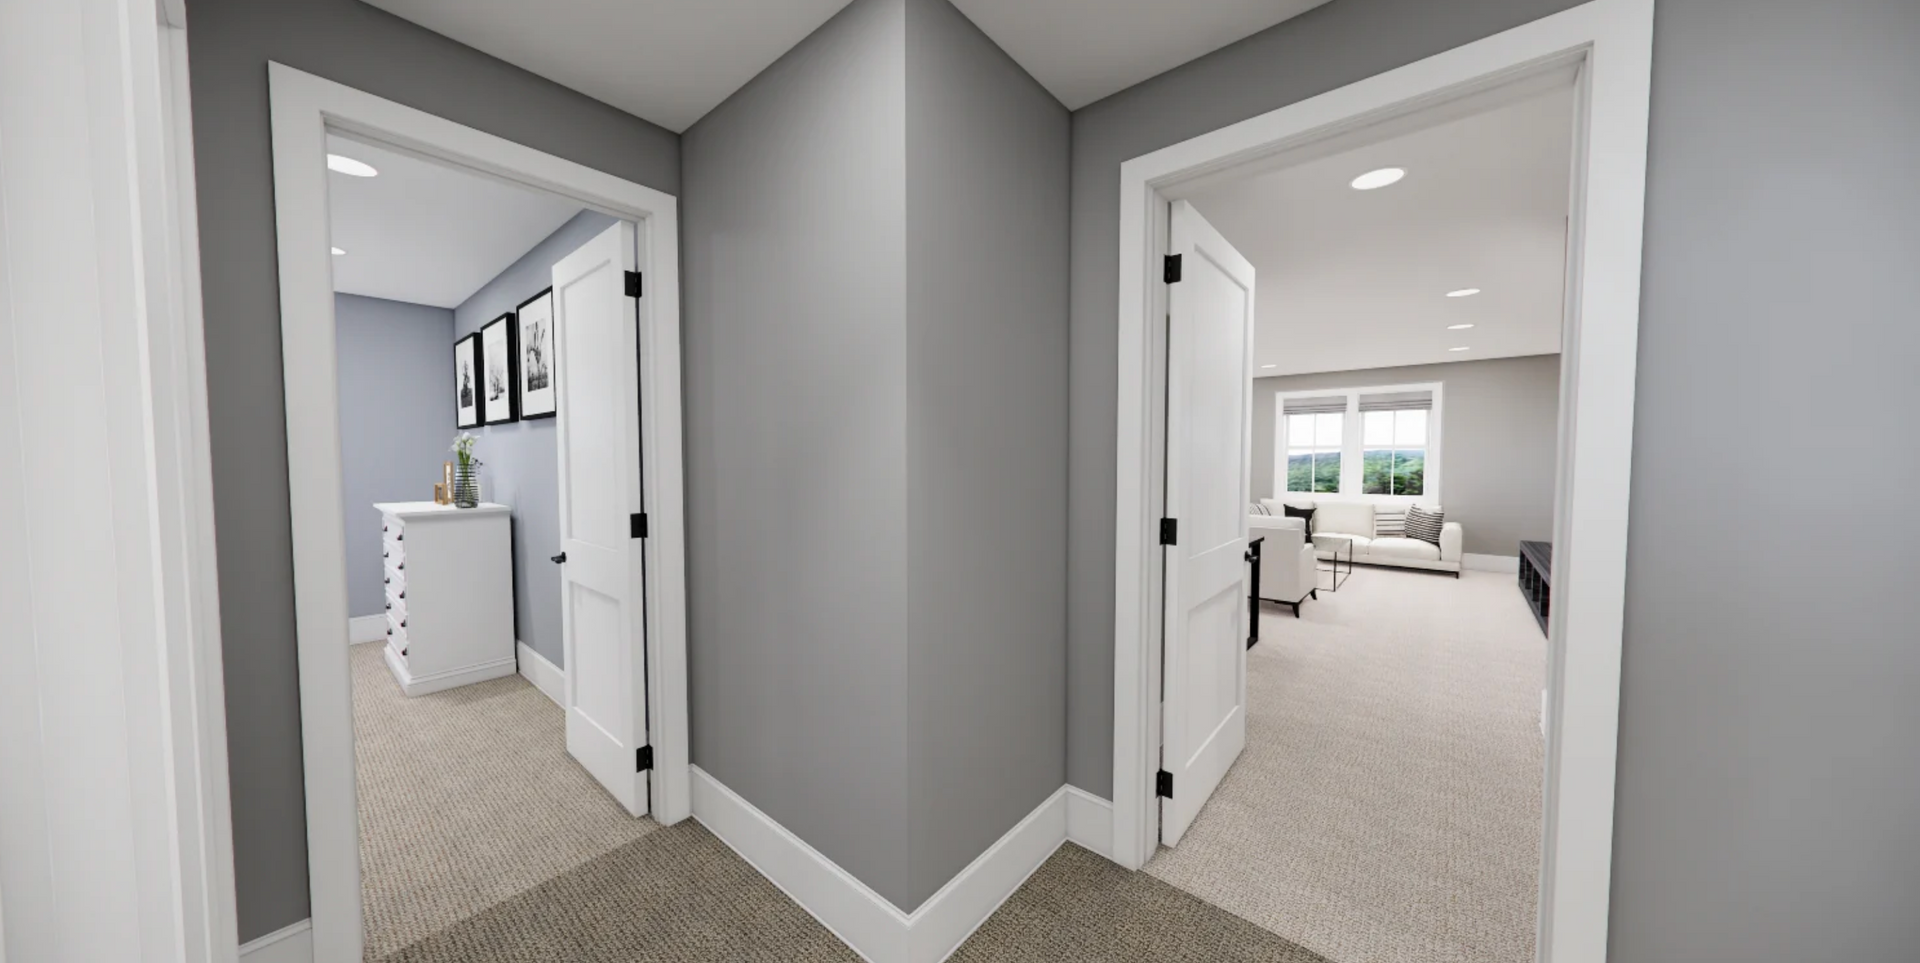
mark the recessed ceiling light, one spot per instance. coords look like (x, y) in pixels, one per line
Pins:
(1269, 366)
(1463, 293)
(1457, 349)
(337, 252)
(1458, 327)
(349, 166)
(1379, 178)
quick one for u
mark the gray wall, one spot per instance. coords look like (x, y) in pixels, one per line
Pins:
(794, 256)
(1768, 786)
(520, 462)
(987, 154)
(344, 40)
(396, 413)
(1498, 429)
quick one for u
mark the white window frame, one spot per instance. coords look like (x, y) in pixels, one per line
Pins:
(1353, 443)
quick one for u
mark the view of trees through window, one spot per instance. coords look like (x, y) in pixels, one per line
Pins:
(1395, 454)
(1313, 452)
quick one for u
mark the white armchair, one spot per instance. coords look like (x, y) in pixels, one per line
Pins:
(1288, 568)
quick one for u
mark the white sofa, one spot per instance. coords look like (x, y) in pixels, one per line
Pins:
(1354, 519)
(1287, 564)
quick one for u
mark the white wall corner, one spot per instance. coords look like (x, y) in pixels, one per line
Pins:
(290, 944)
(550, 679)
(1504, 564)
(367, 628)
(863, 919)
(1089, 821)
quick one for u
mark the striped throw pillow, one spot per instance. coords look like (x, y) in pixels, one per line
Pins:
(1257, 509)
(1425, 525)
(1389, 524)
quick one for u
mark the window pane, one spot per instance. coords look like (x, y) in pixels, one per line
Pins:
(1409, 428)
(1300, 472)
(1326, 470)
(1326, 430)
(1299, 431)
(1409, 472)
(1379, 429)
(1376, 476)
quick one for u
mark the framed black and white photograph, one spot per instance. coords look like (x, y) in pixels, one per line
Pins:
(499, 364)
(466, 382)
(538, 375)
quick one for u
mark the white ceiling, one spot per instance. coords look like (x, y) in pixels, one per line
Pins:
(1083, 50)
(667, 62)
(1352, 279)
(670, 63)
(426, 233)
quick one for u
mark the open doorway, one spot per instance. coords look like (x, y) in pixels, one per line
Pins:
(490, 512)
(478, 773)
(1396, 758)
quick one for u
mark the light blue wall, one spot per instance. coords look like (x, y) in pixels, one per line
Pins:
(396, 420)
(521, 461)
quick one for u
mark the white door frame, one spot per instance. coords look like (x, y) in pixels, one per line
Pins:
(1608, 43)
(304, 109)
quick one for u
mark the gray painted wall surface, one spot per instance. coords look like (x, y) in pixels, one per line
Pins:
(987, 155)
(794, 256)
(1768, 786)
(396, 409)
(1498, 429)
(347, 41)
(520, 462)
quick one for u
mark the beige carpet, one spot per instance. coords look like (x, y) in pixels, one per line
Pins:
(467, 799)
(1387, 807)
(681, 896)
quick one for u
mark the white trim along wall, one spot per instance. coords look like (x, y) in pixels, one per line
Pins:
(304, 109)
(114, 807)
(1604, 47)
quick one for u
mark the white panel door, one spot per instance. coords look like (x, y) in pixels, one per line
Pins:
(602, 620)
(1209, 420)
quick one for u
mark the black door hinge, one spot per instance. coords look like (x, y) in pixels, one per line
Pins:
(1171, 271)
(643, 759)
(1169, 531)
(638, 522)
(633, 284)
(1163, 784)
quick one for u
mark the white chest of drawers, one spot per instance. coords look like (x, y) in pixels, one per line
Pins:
(449, 579)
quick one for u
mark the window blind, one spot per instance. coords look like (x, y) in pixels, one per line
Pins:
(1396, 401)
(1331, 404)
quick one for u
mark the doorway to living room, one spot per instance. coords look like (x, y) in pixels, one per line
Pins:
(1426, 722)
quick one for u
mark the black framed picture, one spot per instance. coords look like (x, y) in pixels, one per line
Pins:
(498, 363)
(539, 376)
(466, 382)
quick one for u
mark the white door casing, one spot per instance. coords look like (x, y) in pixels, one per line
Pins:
(1209, 439)
(602, 611)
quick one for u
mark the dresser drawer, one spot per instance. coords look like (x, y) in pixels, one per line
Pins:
(397, 604)
(397, 632)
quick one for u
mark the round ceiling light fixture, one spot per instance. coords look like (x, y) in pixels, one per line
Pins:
(337, 252)
(352, 168)
(1373, 180)
(1463, 293)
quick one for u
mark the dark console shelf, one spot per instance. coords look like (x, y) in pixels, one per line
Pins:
(1536, 578)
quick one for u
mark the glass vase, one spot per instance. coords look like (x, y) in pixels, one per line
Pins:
(466, 485)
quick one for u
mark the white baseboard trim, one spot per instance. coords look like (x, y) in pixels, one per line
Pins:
(414, 685)
(1509, 564)
(863, 919)
(951, 915)
(1090, 821)
(367, 628)
(290, 944)
(550, 679)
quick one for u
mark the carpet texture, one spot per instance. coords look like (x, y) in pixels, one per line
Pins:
(1387, 807)
(681, 896)
(467, 798)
